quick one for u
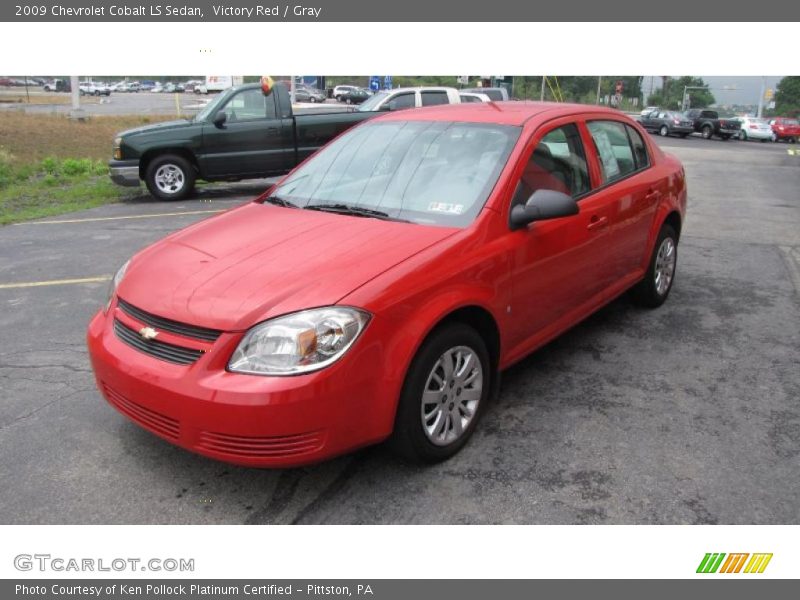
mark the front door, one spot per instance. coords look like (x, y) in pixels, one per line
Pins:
(250, 143)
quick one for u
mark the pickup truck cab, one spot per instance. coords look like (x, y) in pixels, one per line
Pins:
(412, 97)
(708, 124)
(243, 133)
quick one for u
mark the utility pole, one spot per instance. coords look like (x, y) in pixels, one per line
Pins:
(761, 97)
(599, 80)
(77, 111)
(291, 89)
(542, 96)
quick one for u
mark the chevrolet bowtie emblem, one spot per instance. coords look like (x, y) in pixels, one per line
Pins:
(148, 333)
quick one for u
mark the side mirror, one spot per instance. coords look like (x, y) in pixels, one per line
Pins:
(541, 206)
(220, 118)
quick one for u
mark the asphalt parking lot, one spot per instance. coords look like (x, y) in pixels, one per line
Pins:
(686, 414)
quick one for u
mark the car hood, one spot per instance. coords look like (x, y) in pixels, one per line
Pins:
(157, 127)
(259, 261)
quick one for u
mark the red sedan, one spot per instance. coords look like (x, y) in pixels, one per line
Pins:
(785, 129)
(377, 291)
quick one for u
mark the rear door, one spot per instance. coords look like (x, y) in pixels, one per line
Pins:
(250, 143)
(628, 194)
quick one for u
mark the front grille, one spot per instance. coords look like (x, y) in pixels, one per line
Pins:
(161, 350)
(190, 331)
(275, 446)
(150, 419)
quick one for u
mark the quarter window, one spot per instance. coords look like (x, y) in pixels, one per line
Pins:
(613, 148)
(558, 163)
(639, 148)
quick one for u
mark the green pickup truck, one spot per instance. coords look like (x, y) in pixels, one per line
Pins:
(243, 133)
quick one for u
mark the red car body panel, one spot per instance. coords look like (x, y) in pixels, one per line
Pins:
(259, 261)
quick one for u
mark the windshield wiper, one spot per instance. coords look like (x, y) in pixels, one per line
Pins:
(350, 209)
(278, 201)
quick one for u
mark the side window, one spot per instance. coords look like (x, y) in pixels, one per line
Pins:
(558, 163)
(434, 98)
(250, 104)
(468, 99)
(403, 101)
(662, 115)
(639, 148)
(613, 148)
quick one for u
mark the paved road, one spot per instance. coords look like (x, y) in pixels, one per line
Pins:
(687, 414)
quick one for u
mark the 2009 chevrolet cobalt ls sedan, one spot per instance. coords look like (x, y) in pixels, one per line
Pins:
(377, 291)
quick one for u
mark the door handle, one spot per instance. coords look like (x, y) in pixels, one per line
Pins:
(597, 222)
(652, 195)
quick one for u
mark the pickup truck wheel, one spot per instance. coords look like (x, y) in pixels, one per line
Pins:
(664, 131)
(707, 131)
(652, 291)
(170, 177)
(446, 389)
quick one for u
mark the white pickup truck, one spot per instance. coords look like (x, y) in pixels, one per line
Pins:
(411, 97)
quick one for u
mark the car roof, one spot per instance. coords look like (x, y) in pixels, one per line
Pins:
(502, 113)
(425, 88)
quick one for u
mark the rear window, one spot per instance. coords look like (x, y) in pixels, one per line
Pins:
(617, 159)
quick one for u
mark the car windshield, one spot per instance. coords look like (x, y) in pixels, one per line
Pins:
(426, 172)
(372, 103)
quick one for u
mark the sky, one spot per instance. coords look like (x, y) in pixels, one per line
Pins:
(746, 92)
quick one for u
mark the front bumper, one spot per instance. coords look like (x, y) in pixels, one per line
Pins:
(124, 172)
(246, 419)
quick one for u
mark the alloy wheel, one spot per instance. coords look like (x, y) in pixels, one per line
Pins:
(451, 395)
(665, 266)
(170, 179)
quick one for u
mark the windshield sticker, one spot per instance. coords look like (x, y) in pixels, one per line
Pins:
(445, 207)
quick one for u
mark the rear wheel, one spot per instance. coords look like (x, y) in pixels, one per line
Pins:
(170, 177)
(707, 132)
(743, 135)
(446, 389)
(653, 290)
(664, 131)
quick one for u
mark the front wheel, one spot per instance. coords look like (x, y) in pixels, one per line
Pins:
(446, 389)
(652, 291)
(170, 177)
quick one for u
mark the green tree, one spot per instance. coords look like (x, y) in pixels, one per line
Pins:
(787, 97)
(671, 93)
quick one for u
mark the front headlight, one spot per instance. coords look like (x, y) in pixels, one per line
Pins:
(298, 343)
(117, 148)
(114, 283)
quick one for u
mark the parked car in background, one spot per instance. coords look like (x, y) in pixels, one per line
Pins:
(91, 88)
(58, 85)
(785, 129)
(467, 97)
(147, 85)
(379, 290)
(240, 134)
(401, 98)
(497, 94)
(667, 122)
(751, 128)
(709, 124)
(309, 94)
(5, 81)
(354, 96)
(340, 90)
(647, 110)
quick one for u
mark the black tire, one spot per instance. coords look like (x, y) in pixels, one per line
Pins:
(646, 292)
(792, 140)
(725, 138)
(181, 165)
(743, 135)
(409, 439)
(707, 132)
(684, 135)
(348, 101)
(663, 131)
(312, 100)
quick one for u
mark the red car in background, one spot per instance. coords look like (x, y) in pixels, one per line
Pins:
(378, 290)
(785, 129)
